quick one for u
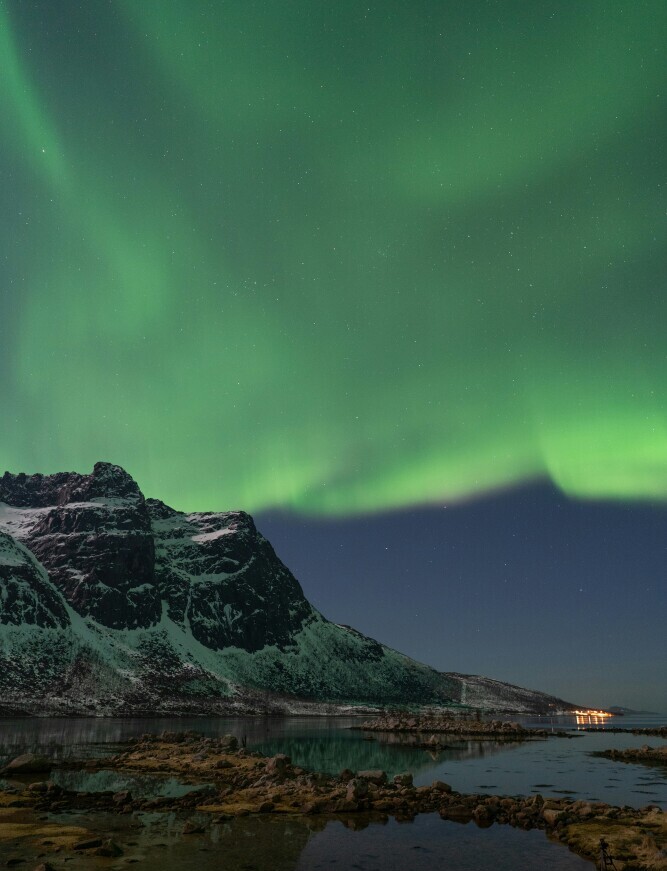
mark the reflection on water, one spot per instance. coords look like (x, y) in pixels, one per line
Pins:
(392, 753)
(556, 766)
(308, 843)
(430, 843)
(141, 786)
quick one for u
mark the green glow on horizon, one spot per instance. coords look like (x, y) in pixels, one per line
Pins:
(335, 259)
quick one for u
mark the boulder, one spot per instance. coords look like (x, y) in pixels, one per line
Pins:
(28, 763)
(357, 789)
(403, 779)
(108, 848)
(277, 764)
(88, 844)
(373, 776)
(550, 815)
(192, 828)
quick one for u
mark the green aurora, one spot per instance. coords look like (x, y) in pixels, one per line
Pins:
(335, 257)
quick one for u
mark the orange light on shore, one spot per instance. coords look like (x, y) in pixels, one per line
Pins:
(591, 718)
(591, 713)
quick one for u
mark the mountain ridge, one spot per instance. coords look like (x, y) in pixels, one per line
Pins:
(113, 603)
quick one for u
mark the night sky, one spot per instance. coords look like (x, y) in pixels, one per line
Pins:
(389, 275)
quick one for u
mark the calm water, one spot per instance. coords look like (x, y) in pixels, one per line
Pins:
(309, 844)
(557, 766)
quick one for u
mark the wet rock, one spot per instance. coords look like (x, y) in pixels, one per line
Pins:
(229, 742)
(346, 775)
(193, 828)
(456, 812)
(88, 844)
(551, 815)
(28, 763)
(483, 816)
(122, 797)
(277, 764)
(373, 776)
(266, 807)
(108, 848)
(440, 786)
(357, 789)
(403, 779)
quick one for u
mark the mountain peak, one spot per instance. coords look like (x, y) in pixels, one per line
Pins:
(42, 491)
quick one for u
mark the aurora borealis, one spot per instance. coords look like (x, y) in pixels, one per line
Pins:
(335, 258)
(389, 275)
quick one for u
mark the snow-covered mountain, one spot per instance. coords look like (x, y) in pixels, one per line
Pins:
(111, 603)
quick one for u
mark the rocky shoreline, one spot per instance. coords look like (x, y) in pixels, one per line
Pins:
(463, 728)
(657, 731)
(229, 782)
(644, 755)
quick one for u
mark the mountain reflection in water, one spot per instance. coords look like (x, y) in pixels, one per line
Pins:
(265, 843)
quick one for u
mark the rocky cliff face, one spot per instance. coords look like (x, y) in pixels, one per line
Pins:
(112, 603)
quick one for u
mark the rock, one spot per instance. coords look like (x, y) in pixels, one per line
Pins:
(483, 816)
(229, 742)
(456, 812)
(108, 848)
(277, 764)
(45, 866)
(266, 807)
(357, 789)
(28, 763)
(193, 828)
(346, 774)
(373, 776)
(122, 797)
(88, 844)
(403, 779)
(440, 786)
(550, 815)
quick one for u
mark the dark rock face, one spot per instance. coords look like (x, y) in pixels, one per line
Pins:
(93, 535)
(26, 596)
(116, 557)
(41, 491)
(222, 578)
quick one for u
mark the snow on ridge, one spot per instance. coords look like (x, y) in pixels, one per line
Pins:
(211, 536)
(18, 522)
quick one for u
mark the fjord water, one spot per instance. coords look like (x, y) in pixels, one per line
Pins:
(555, 766)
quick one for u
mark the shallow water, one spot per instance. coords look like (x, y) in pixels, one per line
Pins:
(308, 844)
(556, 766)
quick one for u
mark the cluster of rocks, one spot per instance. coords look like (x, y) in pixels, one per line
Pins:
(246, 782)
(453, 726)
(48, 797)
(658, 731)
(646, 755)
(242, 782)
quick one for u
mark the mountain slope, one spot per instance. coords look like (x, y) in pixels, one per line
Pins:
(111, 603)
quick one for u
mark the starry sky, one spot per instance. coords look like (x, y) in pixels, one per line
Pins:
(389, 275)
